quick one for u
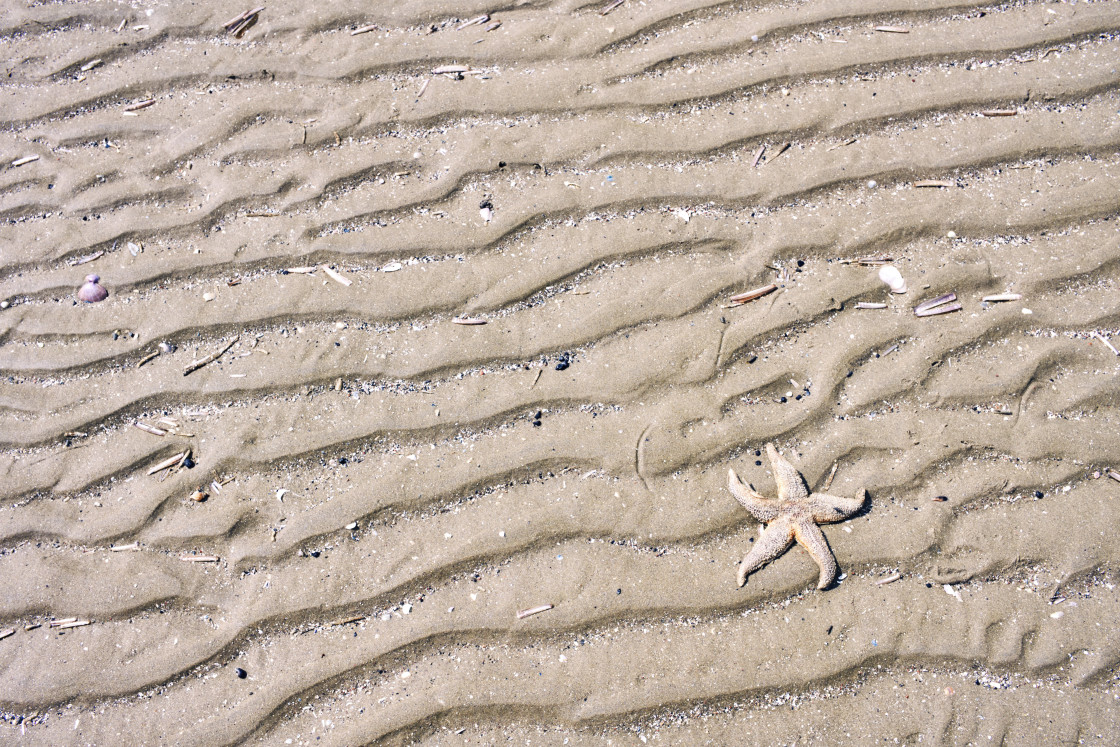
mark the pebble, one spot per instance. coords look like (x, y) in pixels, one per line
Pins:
(207, 296)
(4, 304)
(872, 184)
(241, 673)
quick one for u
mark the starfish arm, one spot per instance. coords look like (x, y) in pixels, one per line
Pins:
(809, 536)
(773, 542)
(761, 508)
(791, 486)
(830, 508)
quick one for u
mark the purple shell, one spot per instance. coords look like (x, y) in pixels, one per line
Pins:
(92, 292)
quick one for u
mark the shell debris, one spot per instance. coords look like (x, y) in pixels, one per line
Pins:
(890, 275)
(533, 611)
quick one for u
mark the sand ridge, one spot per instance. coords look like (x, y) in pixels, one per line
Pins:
(387, 488)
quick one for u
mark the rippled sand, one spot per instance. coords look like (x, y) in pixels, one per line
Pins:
(393, 487)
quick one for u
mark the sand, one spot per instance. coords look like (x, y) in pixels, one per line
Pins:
(387, 488)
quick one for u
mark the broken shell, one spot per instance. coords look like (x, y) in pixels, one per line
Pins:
(890, 275)
(92, 292)
(199, 496)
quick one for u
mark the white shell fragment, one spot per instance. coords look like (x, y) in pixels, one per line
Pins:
(890, 275)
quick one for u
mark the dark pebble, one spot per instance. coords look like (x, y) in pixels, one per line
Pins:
(562, 365)
(536, 423)
(758, 462)
(241, 673)
(1038, 494)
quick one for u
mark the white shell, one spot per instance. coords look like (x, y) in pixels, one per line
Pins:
(890, 275)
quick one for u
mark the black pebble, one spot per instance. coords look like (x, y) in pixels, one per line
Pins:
(536, 422)
(538, 415)
(241, 673)
(188, 463)
(314, 553)
(1038, 494)
(758, 462)
(619, 591)
(562, 365)
(782, 400)
(485, 204)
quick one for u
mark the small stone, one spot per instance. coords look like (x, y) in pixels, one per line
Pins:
(4, 304)
(951, 235)
(207, 296)
(241, 673)
(872, 184)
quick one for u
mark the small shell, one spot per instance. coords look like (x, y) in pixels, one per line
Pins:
(92, 292)
(890, 275)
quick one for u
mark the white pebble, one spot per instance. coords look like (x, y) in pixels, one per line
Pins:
(207, 296)
(951, 235)
(872, 184)
(1027, 311)
(4, 304)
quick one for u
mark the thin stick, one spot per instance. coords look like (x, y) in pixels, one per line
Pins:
(210, 358)
(1002, 297)
(611, 6)
(147, 358)
(62, 621)
(89, 65)
(363, 30)
(533, 611)
(338, 278)
(349, 620)
(841, 145)
(866, 305)
(25, 159)
(423, 87)
(889, 579)
(149, 429)
(444, 69)
(1114, 475)
(933, 183)
(125, 548)
(893, 29)
(140, 105)
(5, 633)
(169, 462)
(199, 558)
(468, 320)
(1000, 113)
(1106, 342)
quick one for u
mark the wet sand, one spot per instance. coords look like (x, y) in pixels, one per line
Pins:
(387, 488)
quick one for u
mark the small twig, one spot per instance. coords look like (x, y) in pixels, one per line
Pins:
(364, 30)
(139, 105)
(25, 159)
(210, 358)
(933, 183)
(889, 579)
(611, 6)
(148, 358)
(348, 620)
(200, 558)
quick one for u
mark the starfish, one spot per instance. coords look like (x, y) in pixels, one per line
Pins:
(794, 516)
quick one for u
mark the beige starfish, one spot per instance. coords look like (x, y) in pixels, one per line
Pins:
(794, 516)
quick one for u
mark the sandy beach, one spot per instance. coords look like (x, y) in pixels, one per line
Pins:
(420, 318)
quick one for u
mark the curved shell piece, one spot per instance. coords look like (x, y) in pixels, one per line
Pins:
(890, 275)
(92, 291)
